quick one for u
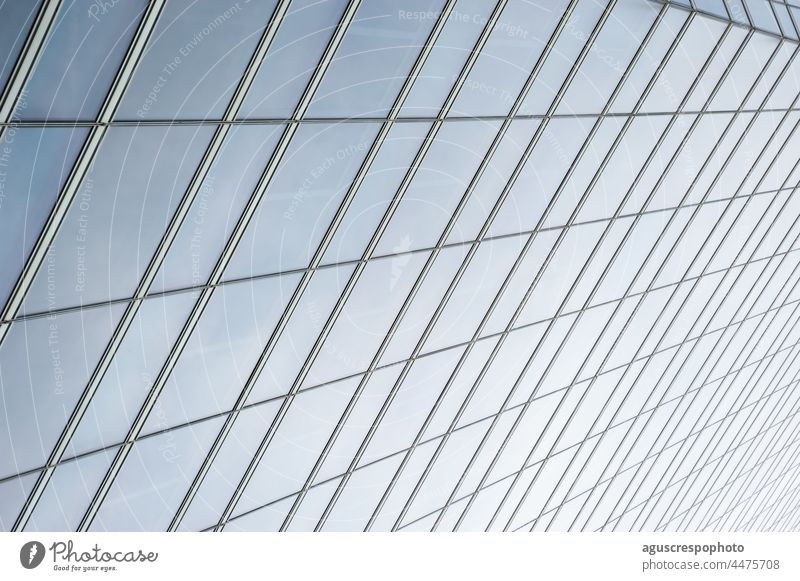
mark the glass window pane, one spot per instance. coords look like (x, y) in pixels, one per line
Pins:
(297, 444)
(154, 479)
(493, 181)
(421, 310)
(16, 19)
(302, 198)
(609, 56)
(716, 69)
(44, 366)
(118, 216)
(228, 468)
(622, 167)
(446, 470)
(221, 353)
(411, 404)
(475, 292)
(302, 330)
(438, 185)
(80, 60)
(366, 317)
(762, 16)
(506, 61)
(376, 191)
(684, 65)
(785, 21)
(646, 66)
(562, 57)
(371, 64)
(314, 503)
(745, 71)
(561, 272)
(194, 58)
(292, 59)
(132, 372)
(453, 47)
(13, 493)
(34, 163)
(361, 495)
(216, 209)
(546, 167)
(361, 418)
(67, 496)
(716, 7)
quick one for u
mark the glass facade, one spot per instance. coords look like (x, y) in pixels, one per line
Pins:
(358, 265)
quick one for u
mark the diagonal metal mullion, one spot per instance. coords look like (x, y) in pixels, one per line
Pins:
(794, 415)
(327, 265)
(494, 335)
(730, 341)
(221, 264)
(742, 472)
(485, 163)
(784, 508)
(619, 248)
(571, 291)
(754, 417)
(690, 436)
(750, 380)
(372, 462)
(81, 165)
(528, 466)
(385, 342)
(761, 434)
(763, 486)
(787, 366)
(669, 166)
(29, 54)
(47, 236)
(735, 282)
(745, 441)
(313, 266)
(155, 263)
(360, 267)
(529, 149)
(767, 514)
(674, 357)
(685, 229)
(547, 260)
(460, 273)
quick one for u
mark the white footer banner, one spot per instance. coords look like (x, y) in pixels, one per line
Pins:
(383, 556)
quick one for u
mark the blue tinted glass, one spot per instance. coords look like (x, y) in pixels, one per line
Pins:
(119, 214)
(216, 209)
(132, 372)
(69, 492)
(34, 163)
(154, 479)
(388, 169)
(80, 59)
(292, 58)
(453, 47)
(16, 19)
(305, 192)
(438, 185)
(13, 493)
(222, 351)
(44, 366)
(517, 40)
(372, 62)
(194, 59)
